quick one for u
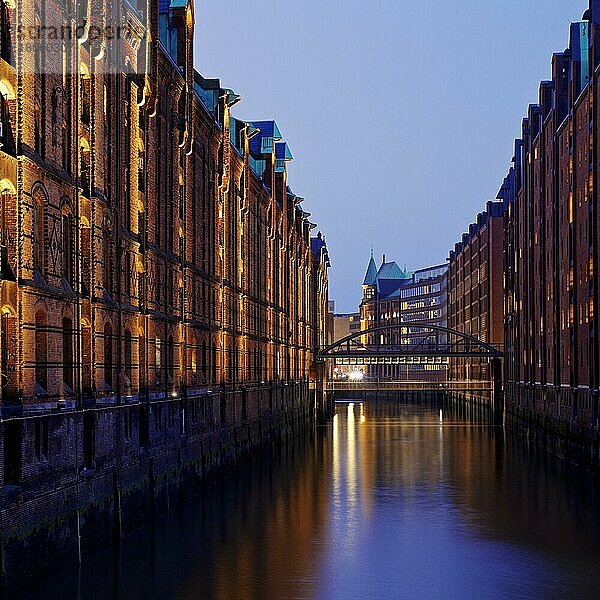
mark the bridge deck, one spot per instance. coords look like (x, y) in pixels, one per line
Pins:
(410, 386)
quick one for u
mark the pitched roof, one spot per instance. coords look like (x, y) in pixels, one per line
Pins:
(371, 276)
(389, 287)
(390, 270)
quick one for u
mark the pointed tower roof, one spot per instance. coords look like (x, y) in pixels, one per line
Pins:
(371, 276)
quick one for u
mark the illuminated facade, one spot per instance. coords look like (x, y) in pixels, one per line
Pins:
(475, 290)
(552, 289)
(344, 325)
(392, 296)
(153, 253)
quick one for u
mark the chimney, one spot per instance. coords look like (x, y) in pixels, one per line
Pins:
(383, 259)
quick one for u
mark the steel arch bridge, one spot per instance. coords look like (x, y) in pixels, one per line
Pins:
(409, 343)
(409, 340)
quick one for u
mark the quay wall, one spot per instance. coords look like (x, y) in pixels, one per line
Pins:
(147, 458)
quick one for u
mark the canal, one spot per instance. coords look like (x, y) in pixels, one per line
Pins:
(390, 500)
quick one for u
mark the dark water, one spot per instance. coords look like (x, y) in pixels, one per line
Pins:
(389, 501)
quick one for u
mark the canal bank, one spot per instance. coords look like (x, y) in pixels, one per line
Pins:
(122, 466)
(564, 438)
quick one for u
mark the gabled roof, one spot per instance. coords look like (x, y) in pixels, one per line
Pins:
(268, 130)
(388, 280)
(282, 151)
(165, 5)
(390, 270)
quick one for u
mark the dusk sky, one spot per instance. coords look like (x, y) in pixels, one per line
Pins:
(401, 114)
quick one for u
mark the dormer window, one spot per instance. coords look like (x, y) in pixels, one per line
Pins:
(266, 145)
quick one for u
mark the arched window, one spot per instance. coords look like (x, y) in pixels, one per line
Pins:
(86, 357)
(108, 355)
(194, 361)
(7, 230)
(67, 343)
(84, 167)
(41, 352)
(107, 263)
(38, 231)
(86, 259)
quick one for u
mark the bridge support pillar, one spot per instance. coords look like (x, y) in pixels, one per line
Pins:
(498, 394)
(323, 403)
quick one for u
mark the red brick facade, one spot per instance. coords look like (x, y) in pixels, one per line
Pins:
(552, 362)
(143, 253)
(475, 290)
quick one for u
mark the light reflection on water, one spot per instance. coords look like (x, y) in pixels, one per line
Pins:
(390, 501)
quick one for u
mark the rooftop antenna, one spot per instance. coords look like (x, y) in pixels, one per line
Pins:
(372, 250)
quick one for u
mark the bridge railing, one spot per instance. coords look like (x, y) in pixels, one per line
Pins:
(442, 386)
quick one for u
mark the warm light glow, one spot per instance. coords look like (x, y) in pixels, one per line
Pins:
(356, 375)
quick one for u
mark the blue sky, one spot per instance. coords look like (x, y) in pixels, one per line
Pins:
(401, 114)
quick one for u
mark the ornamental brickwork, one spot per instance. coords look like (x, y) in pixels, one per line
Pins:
(151, 247)
(142, 253)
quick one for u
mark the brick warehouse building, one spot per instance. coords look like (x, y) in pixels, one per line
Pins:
(475, 290)
(552, 242)
(159, 282)
(392, 296)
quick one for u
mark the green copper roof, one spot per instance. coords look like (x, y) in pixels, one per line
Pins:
(390, 270)
(371, 276)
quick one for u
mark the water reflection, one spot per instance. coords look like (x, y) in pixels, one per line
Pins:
(390, 501)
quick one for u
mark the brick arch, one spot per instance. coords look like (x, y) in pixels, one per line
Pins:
(6, 185)
(40, 304)
(7, 90)
(84, 144)
(68, 312)
(8, 309)
(132, 323)
(66, 205)
(39, 189)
